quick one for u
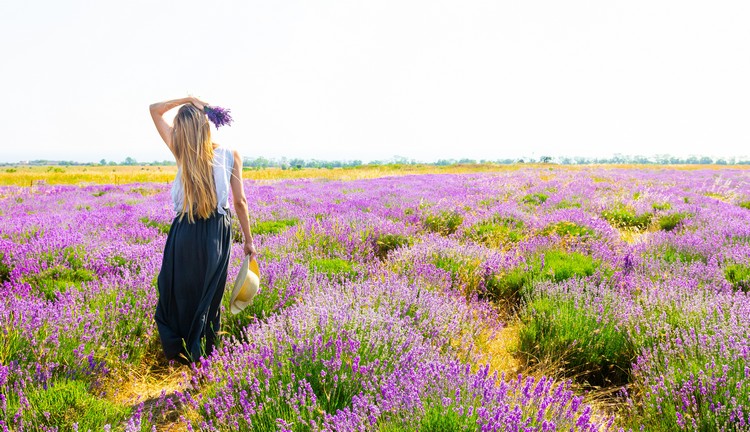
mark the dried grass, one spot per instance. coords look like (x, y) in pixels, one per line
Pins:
(633, 236)
(151, 384)
(498, 350)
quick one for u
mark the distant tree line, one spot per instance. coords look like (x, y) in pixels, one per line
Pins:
(284, 163)
(129, 161)
(660, 159)
(298, 163)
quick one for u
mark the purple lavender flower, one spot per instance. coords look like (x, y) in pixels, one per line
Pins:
(219, 116)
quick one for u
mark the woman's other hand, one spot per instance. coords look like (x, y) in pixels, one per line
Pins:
(249, 249)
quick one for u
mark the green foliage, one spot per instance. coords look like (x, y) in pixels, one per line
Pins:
(567, 204)
(333, 267)
(496, 232)
(739, 240)
(263, 305)
(509, 286)
(123, 263)
(346, 191)
(567, 229)
(5, 269)
(15, 346)
(32, 233)
(558, 266)
(316, 242)
(673, 254)
(535, 198)
(58, 279)
(163, 227)
(74, 257)
(581, 341)
(739, 276)
(388, 242)
(439, 419)
(129, 331)
(488, 202)
(67, 402)
(332, 394)
(452, 265)
(715, 195)
(272, 226)
(444, 223)
(745, 204)
(623, 217)
(508, 221)
(463, 270)
(671, 221)
(661, 206)
(144, 191)
(237, 236)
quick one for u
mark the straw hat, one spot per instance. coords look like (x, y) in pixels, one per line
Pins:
(246, 286)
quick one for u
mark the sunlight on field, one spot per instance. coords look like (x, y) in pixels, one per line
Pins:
(32, 175)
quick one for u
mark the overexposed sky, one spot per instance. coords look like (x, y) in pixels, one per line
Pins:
(349, 79)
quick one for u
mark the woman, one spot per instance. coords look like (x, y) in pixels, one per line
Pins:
(196, 256)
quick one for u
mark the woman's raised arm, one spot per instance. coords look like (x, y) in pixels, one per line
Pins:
(157, 114)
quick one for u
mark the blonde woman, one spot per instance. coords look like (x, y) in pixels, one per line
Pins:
(196, 256)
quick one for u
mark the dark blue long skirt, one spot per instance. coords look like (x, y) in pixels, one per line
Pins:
(191, 284)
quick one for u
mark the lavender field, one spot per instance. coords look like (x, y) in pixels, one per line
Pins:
(541, 299)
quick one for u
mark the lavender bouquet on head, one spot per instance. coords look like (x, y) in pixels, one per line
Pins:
(219, 116)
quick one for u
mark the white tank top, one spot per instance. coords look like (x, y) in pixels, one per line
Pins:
(223, 163)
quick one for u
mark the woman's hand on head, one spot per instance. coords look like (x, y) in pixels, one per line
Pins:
(197, 103)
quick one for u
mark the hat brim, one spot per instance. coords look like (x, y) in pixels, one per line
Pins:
(246, 285)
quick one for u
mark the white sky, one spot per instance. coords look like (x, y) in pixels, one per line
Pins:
(348, 79)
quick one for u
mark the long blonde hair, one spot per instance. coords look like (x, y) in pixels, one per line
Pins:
(194, 151)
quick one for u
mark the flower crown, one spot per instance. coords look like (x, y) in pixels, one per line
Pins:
(219, 116)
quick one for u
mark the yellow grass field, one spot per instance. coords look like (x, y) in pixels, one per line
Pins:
(32, 175)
